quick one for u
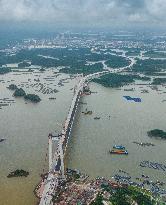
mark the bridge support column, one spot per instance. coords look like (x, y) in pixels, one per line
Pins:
(50, 151)
(62, 159)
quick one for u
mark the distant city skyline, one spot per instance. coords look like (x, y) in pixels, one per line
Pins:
(85, 13)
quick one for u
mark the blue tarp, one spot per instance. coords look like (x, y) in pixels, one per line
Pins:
(132, 99)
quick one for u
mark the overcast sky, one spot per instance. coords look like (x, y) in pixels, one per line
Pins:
(85, 12)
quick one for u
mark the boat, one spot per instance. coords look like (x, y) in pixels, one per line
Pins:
(130, 89)
(119, 152)
(144, 91)
(120, 147)
(96, 118)
(87, 113)
(52, 98)
(1, 140)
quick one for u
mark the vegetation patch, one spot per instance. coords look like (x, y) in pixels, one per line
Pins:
(157, 133)
(12, 87)
(144, 78)
(85, 69)
(18, 173)
(125, 196)
(75, 60)
(154, 54)
(159, 81)
(149, 66)
(133, 52)
(98, 200)
(156, 74)
(32, 97)
(114, 80)
(4, 70)
(19, 92)
(117, 62)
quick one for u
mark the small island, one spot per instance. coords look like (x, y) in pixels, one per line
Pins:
(12, 87)
(157, 133)
(114, 80)
(19, 92)
(4, 70)
(32, 97)
(18, 173)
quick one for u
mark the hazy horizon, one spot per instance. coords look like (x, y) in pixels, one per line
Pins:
(83, 14)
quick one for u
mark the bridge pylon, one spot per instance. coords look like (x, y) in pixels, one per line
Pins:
(50, 150)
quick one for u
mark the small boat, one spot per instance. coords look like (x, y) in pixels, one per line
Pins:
(1, 140)
(130, 89)
(87, 112)
(118, 152)
(37, 80)
(96, 118)
(120, 147)
(52, 98)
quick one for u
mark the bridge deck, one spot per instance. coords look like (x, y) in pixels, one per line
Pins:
(56, 172)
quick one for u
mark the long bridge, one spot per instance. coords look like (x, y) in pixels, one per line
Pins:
(56, 174)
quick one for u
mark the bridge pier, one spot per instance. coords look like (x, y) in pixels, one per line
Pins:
(50, 150)
(62, 158)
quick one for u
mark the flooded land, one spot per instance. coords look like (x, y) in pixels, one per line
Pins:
(26, 126)
(122, 107)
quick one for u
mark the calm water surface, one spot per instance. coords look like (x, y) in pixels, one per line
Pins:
(92, 139)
